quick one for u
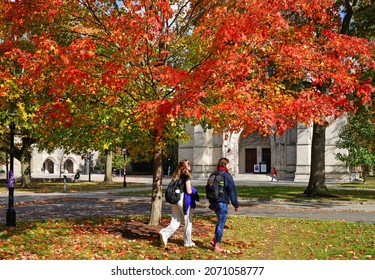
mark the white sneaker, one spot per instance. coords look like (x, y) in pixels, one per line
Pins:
(192, 244)
(163, 239)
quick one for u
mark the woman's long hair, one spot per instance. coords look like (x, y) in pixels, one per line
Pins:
(182, 168)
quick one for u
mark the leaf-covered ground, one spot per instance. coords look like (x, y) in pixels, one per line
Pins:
(131, 238)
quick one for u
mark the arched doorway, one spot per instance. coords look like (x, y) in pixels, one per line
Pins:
(69, 166)
(49, 166)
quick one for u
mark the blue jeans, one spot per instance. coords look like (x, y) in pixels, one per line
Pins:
(221, 210)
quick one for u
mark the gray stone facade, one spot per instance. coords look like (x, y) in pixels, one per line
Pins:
(54, 164)
(290, 154)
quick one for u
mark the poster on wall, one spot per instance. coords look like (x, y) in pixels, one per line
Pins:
(256, 168)
(263, 168)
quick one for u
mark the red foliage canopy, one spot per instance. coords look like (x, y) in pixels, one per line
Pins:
(254, 65)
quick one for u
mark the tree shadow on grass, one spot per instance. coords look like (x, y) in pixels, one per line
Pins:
(138, 229)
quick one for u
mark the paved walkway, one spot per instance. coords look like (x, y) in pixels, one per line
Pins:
(31, 206)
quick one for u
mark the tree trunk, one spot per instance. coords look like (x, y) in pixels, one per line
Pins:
(156, 199)
(108, 167)
(365, 171)
(25, 159)
(317, 185)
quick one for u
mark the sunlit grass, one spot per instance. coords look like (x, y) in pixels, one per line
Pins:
(53, 187)
(286, 193)
(131, 238)
(370, 184)
(347, 192)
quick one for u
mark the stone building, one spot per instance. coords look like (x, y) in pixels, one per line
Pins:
(53, 164)
(250, 156)
(290, 154)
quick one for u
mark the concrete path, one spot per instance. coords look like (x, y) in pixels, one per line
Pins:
(30, 206)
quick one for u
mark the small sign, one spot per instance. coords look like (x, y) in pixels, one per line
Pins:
(256, 168)
(263, 168)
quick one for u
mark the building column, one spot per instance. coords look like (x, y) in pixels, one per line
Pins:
(303, 153)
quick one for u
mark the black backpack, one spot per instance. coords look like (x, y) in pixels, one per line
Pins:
(173, 191)
(215, 186)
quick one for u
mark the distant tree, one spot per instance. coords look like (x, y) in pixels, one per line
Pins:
(357, 137)
(358, 19)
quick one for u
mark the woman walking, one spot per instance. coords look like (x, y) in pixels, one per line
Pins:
(182, 209)
(220, 206)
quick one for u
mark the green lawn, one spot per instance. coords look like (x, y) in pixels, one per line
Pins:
(248, 238)
(131, 238)
(53, 187)
(296, 193)
(341, 192)
(348, 191)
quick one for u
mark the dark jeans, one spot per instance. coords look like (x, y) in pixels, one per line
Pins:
(221, 210)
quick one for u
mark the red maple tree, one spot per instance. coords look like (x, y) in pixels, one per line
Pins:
(234, 65)
(280, 63)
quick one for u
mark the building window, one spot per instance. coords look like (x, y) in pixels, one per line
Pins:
(49, 166)
(68, 166)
